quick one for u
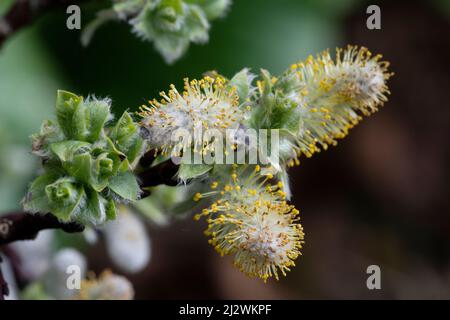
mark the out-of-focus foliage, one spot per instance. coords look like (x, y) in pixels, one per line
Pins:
(170, 24)
(5, 5)
(27, 76)
(162, 204)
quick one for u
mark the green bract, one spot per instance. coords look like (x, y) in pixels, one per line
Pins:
(274, 110)
(86, 163)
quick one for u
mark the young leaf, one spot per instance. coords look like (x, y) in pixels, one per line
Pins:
(190, 171)
(214, 8)
(80, 167)
(110, 210)
(36, 200)
(95, 211)
(65, 198)
(126, 138)
(125, 185)
(67, 104)
(97, 112)
(104, 167)
(197, 25)
(243, 83)
(66, 150)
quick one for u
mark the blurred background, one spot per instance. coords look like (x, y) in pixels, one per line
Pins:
(381, 197)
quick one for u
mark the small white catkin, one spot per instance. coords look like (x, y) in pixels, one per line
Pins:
(204, 104)
(127, 241)
(35, 256)
(55, 279)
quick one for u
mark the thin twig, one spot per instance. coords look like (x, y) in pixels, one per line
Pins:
(26, 226)
(163, 173)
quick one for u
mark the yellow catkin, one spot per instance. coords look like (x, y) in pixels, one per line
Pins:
(252, 222)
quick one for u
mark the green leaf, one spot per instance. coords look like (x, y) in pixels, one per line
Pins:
(177, 5)
(288, 83)
(213, 8)
(81, 167)
(190, 171)
(111, 211)
(242, 81)
(112, 147)
(66, 150)
(83, 159)
(81, 120)
(124, 166)
(67, 104)
(125, 185)
(36, 200)
(150, 208)
(79, 123)
(124, 130)
(104, 167)
(65, 197)
(143, 23)
(88, 120)
(196, 25)
(126, 138)
(97, 113)
(127, 8)
(95, 211)
(135, 151)
(284, 116)
(260, 116)
(171, 46)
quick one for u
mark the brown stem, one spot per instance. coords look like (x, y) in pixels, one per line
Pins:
(163, 173)
(24, 12)
(26, 226)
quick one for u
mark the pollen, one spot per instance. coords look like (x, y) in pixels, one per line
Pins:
(214, 185)
(197, 196)
(206, 104)
(107, 286)
(332, 95)
(257, 227)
